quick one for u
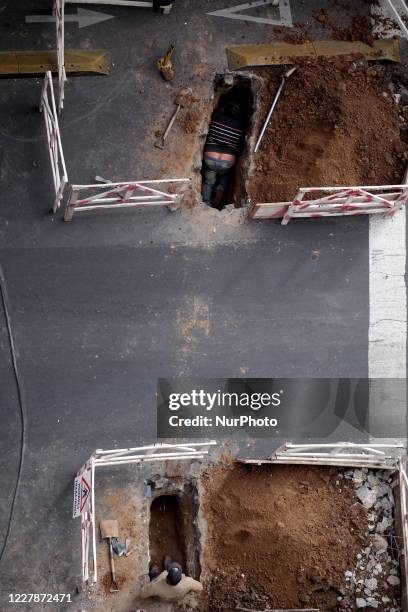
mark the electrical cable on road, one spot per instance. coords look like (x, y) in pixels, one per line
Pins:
(6, 309)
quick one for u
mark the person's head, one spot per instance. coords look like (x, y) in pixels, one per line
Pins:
(174, 574)
(232, 110)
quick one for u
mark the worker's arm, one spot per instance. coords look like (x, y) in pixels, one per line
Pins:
(194, 585)
(147, 591)
(151, 589)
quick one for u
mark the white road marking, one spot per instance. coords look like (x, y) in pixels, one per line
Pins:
(84, 18)
(387, 337)
(234, 12)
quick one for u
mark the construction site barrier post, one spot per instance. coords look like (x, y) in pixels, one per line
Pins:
(59, 12)
(126, 195)
(315, 202)
(58, 169)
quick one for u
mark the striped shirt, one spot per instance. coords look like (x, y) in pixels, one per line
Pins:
(224, 135)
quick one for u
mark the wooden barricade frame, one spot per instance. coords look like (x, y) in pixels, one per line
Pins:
(128, 194)
(335, 202)
(59, 12)
(58, 168)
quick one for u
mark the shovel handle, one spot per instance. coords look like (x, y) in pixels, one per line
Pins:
(171, 122)
(113, 586)
(274, 103)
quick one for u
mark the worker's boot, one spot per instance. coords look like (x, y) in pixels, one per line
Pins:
(154, 571)
(167, 561)
(218, 196)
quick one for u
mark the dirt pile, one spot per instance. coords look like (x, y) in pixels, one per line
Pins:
(336, 123)
(279, 536)
(359, 29)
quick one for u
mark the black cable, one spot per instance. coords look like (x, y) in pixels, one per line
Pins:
(4, 299)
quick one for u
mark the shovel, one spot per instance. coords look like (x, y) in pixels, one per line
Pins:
(109, 529)
(182, 100)
(274, 103)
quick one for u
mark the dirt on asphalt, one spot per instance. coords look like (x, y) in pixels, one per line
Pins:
(279, 536)
(337, 123)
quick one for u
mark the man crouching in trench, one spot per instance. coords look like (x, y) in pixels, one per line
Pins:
(171, 584)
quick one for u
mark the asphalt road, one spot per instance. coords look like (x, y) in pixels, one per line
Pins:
(102, 307)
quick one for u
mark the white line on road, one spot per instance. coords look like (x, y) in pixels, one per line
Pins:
(387, 337)
(84, 18)
(233, 12)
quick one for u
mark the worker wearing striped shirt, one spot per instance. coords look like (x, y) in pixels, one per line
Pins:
(223, 146)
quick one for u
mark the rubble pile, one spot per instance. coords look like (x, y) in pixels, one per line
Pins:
(374, 582)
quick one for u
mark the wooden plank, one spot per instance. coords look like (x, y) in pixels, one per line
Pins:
(36, 63)
(285, 53)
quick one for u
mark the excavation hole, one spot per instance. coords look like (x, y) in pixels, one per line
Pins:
(226, 143)
(166, 532)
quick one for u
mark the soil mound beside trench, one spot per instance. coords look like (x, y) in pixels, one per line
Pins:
(336, 124)
(279, 536)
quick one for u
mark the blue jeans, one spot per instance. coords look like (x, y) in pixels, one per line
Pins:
(215, 173)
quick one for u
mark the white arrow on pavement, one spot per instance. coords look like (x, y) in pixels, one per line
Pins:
(234, 12)
(84, 18)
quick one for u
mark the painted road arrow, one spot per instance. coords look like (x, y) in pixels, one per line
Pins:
(84, 18)
(234, 12)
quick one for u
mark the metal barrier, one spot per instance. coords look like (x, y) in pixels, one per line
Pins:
(84, 484)
(59, 12)
(339, 201)
(126, 195)
(59, 171)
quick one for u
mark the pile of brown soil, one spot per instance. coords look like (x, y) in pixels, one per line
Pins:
(360, 27)
(336, 123)
(279, 537)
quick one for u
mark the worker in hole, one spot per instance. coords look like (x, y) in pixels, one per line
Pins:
(222, 148)
(171, 584)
